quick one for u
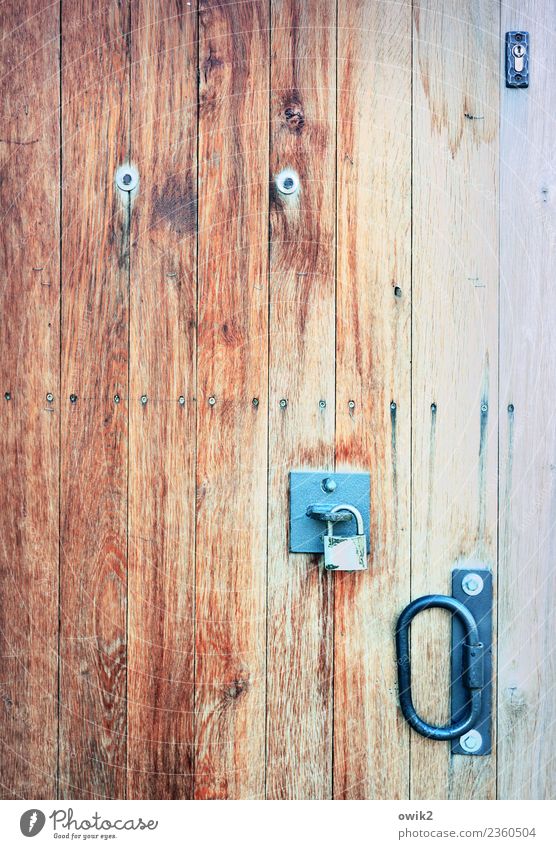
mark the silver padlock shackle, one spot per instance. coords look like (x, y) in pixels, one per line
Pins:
(354, 512)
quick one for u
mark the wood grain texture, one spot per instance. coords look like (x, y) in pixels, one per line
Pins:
(302, 351)
(95, 252)
(527, 597)
(232, 371)
(373, 370)
(162, 431)
(454, 379)
(29, 424)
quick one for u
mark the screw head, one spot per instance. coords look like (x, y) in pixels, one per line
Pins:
(393, 406)
(287, 182)
(329, 485)
(181, 401)
(471, 741)
(49, 397)
(255, 402)
(484, 408)
(283, 403)
(116, 399)
(472, 584)
(144, 399)
(212, 400)
(8, 396)
(73, 398)
(322, 404)
(127, 178)
(351, 405)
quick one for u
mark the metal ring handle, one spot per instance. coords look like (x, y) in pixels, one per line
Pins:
(472, 666)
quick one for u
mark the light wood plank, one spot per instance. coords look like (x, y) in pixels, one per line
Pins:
(371, 743)
(95, 252)
(454, 381)
(527, 660)
(162, 431)
(29, 423)
(302, 352)
(232, 371)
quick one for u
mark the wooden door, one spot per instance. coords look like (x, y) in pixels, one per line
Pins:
(177, 335)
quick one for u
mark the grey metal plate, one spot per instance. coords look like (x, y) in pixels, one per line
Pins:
(481, 608)
(306, 489)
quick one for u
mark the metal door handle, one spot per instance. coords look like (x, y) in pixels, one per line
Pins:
(472, 671)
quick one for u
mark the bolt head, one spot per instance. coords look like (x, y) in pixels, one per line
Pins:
(287, 181)
(127, 178)
(329, 485)
(471, 741)
(472, 584)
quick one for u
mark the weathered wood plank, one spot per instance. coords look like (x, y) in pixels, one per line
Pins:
(373, 322)
(162, 431)
(302, 351)
(29, 422)
(454, 381)
(232, 371)
(95, 237)
(527, 660)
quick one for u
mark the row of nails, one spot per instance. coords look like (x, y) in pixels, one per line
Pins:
(212, 401)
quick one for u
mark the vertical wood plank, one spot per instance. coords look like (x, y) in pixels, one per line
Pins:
(301, 430)
(29, 422)
(232, 371)
(373, 371)
(455, 284)
(95, 245)
(162, 431)
(527, 660)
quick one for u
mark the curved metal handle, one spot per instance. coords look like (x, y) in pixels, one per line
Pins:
(472, 666)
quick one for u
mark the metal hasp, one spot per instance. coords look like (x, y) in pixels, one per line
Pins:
(517, 59)
(313, 495)
(471, 666)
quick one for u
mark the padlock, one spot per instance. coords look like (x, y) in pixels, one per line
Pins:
(347, 554)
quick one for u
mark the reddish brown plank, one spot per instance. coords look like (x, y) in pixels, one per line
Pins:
(373, 372)
(162, 431)
(95, 246)
(454, 350)
(29, 423)
(231, 427)
(302, 352)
